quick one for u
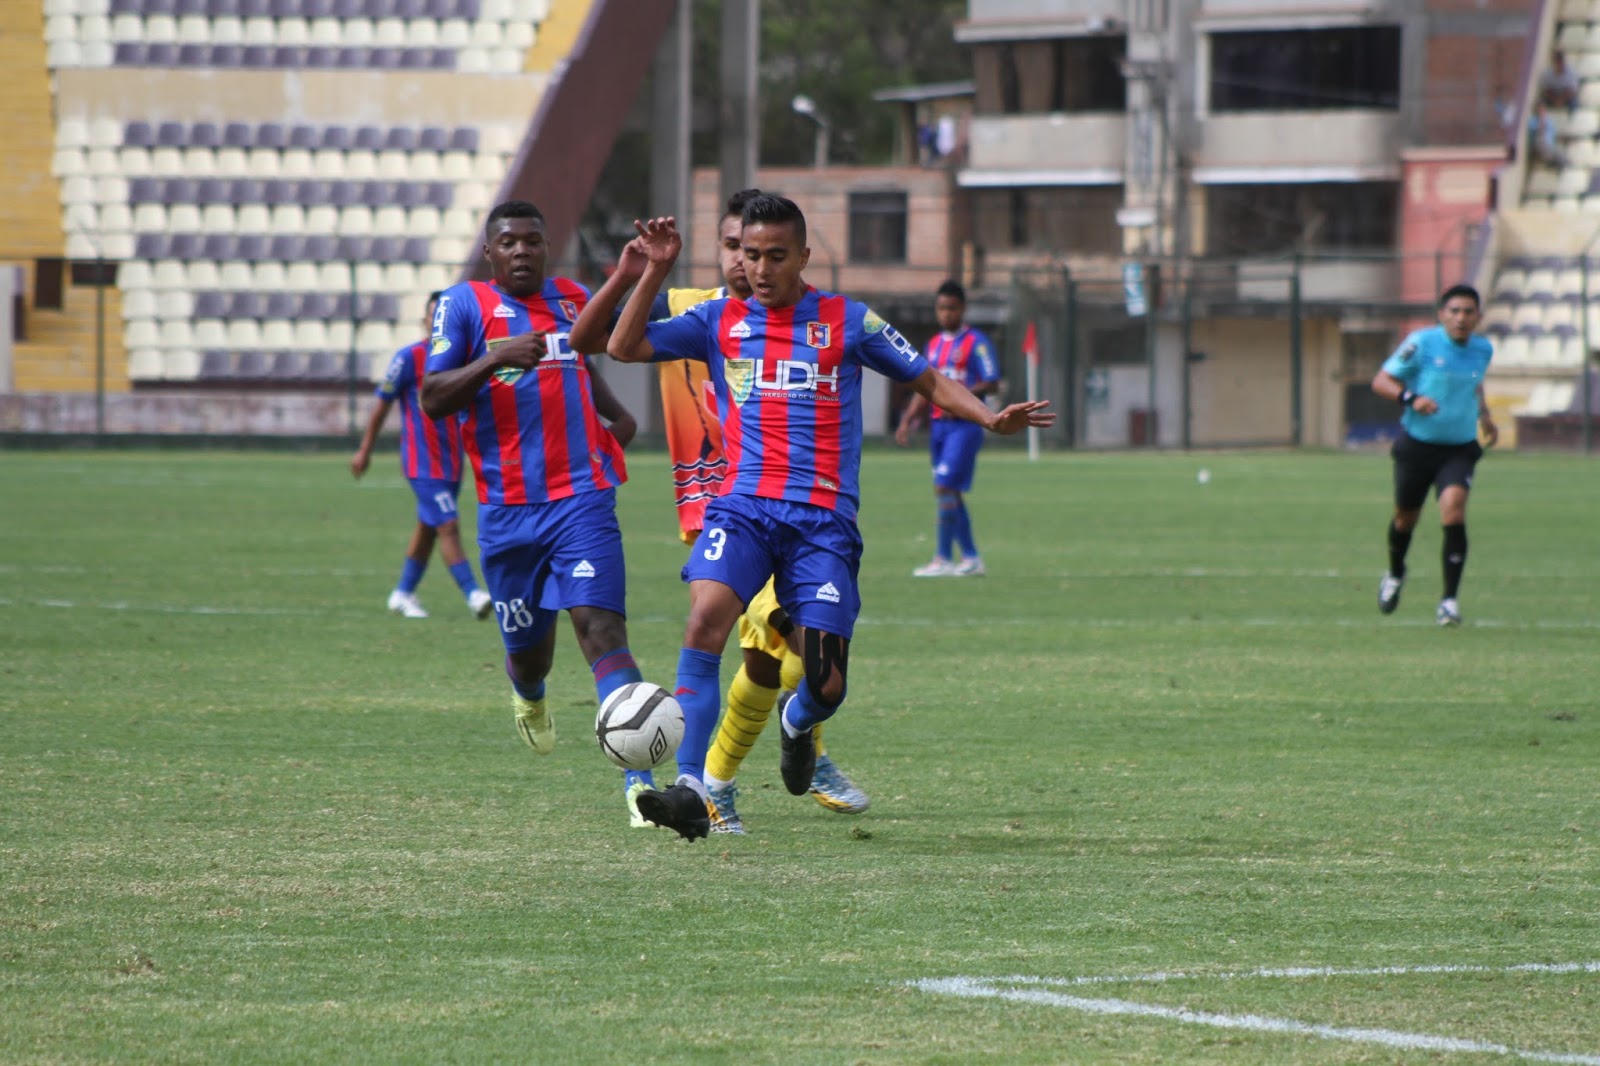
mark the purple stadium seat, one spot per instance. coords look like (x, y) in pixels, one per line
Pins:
(379, 9)
(256, 57)
(283, 305)
(271, 135)
(384, 58)
(464, 139)
(252, 366)
(172, 135)
(128, 54)
(379, 193)
(441, 9)
(138, 135)
(443, 59)
(223, 8)
(274, 192)
(126, 7)
(227, 55)
(313, 193)
(238, 135)
(400, 139)
(346, 193)
(317, 9)
(347, 9)
(341, 305)
(186, 246)
(286, 248)
(1565, 331)
(220, 247)
(213, 191)
(318, 305)
(255, 8)
(210, 304)
(252, 247)
(152, 246)
(304, 137)
(336, 138)
(247, 305)
(433, 139)
(180, 191)
(289, 57)
(322, 57)
(385, 305)
(287, 366)
(409, 194)
(320, 247)
(416, 58)
(468, 9)
(285, 9)
(160, 54)
(192, 7)
(215, 365)
(325, 366)
(194, 55)
(1498, 329)
(384, 250)
(160, 7)
(1531, 331)
(145, 191)
(440, 194)
(355, 58)
(369, 139)
(416, 250)
(411, 9)
(249, 191)
(353, 249)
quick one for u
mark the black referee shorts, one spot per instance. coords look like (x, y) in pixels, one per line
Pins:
(1419, 465)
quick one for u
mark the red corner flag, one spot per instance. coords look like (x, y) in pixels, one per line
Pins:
(1030, 345)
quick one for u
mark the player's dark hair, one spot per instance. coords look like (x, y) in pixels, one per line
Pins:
(737, 202)
(433, 297)
(770, 208)
(511, 209)
(952, 287)
(1460, 290)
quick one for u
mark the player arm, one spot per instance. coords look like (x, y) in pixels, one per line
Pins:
(591, 331)
(1491, 432)
(959, 400)
(652, 254)
(618, 418)
(910, 416)
(451, 382)
(363, 457)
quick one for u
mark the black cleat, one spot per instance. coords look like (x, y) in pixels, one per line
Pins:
(798, 761)
(678, 808)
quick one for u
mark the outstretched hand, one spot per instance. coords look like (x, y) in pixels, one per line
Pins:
(658, 239)
(1021, 416)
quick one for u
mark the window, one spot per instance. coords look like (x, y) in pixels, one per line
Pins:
(1270, 219)
(877, 227)
(1065, 219)
(1067, 75)
(1301, 70)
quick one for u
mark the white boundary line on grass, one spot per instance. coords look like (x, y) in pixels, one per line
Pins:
(991, 988)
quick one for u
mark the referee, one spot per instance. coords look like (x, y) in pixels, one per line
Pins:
(1436, 376)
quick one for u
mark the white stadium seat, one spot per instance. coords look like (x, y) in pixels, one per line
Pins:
(145, 364)
(181, 366)
(72, 132)
(204, 274)
(162, 29)
(138, 303)
(177, 333)
(277, 333)
(227, 29)
(62, 55)
(244, 333)
(268, 276)
(176, 303)
(1512, 351)
(210, 333)
(133, 275)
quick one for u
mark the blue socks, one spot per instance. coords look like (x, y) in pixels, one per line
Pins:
(462, 572)
(804, 711)
(700, 695)
(411, 574)
(948, 506)
(963, 529)
(613, 670)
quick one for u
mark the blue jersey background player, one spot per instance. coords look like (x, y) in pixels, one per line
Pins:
(1436, 376)
(962, 353)
(786, 368)
(430, 458)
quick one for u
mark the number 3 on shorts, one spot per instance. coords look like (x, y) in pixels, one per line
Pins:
(719, 539)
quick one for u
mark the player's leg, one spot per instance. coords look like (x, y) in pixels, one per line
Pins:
(830, 786)
(959, 466)
(942, 564)
(1413, 475)
(516, 570)
(450, 550)
(729, 562)
(403, 600)
(1454, 483)
(754, 692)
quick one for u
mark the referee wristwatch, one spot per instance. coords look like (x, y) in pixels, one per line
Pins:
(1406, 397)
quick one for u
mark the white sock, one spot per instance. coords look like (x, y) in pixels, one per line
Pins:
(694, 783)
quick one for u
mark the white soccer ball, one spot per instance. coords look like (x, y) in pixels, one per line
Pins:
(1204, 476)
(639, 725)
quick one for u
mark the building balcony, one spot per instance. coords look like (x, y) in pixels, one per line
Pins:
(1054, 149)
(1298, 146)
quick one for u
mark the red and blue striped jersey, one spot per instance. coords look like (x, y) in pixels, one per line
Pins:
(429, 447)
(965, 356)
(788, 389)
(532, 435)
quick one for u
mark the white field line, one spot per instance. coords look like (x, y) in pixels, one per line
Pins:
(992, 988)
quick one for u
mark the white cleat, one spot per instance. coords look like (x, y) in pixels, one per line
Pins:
(480, 603)
(405, 605)
(1449, 613)
(937, 568)
(971, 566)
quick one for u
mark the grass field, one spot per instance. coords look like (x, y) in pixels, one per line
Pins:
(1163, 787)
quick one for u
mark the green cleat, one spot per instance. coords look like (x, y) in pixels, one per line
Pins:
(535, 724)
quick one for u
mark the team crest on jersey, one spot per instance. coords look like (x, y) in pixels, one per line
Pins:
(1408, 352)
(818, 334)
(741, 330)
(871, 322)
(440, 346)
(740, 375)
(509, 374)
(569, 309)
(502, 311)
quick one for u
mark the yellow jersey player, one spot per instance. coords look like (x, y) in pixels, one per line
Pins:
(771, 663)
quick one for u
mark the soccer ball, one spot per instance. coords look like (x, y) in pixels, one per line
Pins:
(639, 725)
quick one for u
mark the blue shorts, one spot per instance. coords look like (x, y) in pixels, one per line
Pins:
(813, 554)
(436, 500)
(539, 558)
(953, 444)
